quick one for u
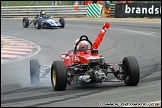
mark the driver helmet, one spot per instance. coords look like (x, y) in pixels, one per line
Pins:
(83, 45)
(42, 14)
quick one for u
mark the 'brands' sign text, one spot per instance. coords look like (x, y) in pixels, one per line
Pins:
(142, 10)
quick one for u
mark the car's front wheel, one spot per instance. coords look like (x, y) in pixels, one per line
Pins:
(58, 76)
(38, 24)
(25, 22)
(131, 71)
(34, 71)
(62, 22)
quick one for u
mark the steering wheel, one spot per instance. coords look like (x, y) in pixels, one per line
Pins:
(82, 38)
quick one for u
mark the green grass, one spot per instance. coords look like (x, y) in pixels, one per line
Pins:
(16, 3)
(27, 3)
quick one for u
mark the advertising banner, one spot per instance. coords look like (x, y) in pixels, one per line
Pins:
(138, 10)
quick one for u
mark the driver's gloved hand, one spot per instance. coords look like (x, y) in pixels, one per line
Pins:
(105, 27)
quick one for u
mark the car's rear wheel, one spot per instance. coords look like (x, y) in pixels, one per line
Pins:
(38, 24)
(132, 71)
(58, 76)
(25, 22)
(34, 71)
(62, 22)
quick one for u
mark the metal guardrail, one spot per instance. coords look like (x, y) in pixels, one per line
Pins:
(54, 11)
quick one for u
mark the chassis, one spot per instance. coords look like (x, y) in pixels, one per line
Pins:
(45, 22)
(85, 68)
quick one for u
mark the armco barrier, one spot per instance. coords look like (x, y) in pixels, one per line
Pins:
(54, 11)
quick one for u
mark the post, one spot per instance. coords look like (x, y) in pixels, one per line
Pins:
(104, 4)
(6, 3)
(53, 3)
(81, 2)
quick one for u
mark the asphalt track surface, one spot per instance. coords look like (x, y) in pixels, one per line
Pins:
(123, 38)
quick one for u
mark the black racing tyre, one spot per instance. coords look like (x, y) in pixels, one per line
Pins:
(38, 24)
(25, 22)
(132, 71)
(58, 76)
(34, 71)
(62, 22)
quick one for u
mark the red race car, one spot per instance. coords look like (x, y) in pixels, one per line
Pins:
(86, 66)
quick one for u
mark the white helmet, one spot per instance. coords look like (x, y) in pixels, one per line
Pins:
(82, 45)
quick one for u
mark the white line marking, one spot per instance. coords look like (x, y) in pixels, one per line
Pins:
(140, 32)
(12, 52)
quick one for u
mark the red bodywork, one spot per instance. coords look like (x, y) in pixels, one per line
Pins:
(84, 56)
(79, 57)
